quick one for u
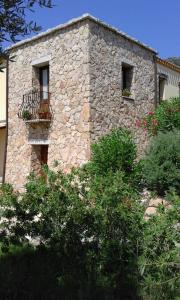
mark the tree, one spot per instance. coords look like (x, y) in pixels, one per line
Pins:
(13, 23)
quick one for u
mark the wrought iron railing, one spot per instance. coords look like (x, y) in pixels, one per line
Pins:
(35, 106)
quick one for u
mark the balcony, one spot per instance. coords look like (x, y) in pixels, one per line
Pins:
(35, 107)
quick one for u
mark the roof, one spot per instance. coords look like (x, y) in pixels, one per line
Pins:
(77, 20)
(168, 64)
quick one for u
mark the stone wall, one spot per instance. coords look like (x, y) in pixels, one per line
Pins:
(108, 51)
(68, 134)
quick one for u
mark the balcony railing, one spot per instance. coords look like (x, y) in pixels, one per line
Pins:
(35, 106)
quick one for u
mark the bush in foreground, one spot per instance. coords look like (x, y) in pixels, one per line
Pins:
(161, 166)
(93, 241)
(159, 262)
(114, 151)
(89, 219)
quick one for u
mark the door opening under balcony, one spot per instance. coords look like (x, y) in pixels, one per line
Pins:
(39, 158)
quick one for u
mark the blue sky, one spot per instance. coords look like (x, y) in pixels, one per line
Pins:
(154, 22)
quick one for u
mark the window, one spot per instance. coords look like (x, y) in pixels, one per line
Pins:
(44, 82)
(127, 76)
(162, 81)
(161, 89)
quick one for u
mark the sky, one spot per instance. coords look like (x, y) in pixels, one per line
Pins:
(153, 22)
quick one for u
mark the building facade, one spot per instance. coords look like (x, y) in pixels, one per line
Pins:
(69, 86)
(168, 80)
(2, 116)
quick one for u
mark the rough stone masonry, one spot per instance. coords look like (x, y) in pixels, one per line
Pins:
(85, 58)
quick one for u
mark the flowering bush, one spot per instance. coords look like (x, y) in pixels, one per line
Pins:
(165, 117)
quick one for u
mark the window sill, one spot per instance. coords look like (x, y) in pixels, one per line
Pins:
(128, 98)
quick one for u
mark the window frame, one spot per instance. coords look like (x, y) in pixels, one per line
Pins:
(41, 69)
(126, 82)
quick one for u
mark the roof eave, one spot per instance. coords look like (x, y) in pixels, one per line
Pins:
(75, 21)
(168, 64)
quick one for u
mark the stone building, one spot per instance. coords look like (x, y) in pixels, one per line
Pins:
(70, 85)
(168, 80)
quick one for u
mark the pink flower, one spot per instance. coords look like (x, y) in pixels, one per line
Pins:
(150, 113)
(138, 123)
(155, 121)
(145, 123)
(145, 131)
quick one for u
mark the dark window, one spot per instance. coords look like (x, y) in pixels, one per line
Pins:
(44, 155)
(127, 76)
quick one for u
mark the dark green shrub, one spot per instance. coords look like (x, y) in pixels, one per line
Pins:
(85, 219)
(126, 93)
(26, 115)
(93, 251)
(161, 169)
(114, 151)
(85, 230)
(166, 117)
(93, 242)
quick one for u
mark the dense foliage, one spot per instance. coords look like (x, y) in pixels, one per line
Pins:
(162, 163)
(83, 235)
(159, 262)
(115, 151)
(166, 117)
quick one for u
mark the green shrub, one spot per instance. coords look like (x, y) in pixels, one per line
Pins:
(26, 115)
(161, 166)
(166, 117)
(114, 151)
(93, 232)
(91, 251)
(85, 219)
(159, 262)
(93, 241)
(126, 93)
(113, 156)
